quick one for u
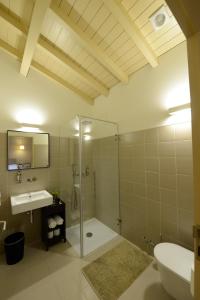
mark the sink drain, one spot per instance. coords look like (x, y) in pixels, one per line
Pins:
(89, 234)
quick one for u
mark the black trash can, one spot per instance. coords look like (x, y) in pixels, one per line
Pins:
(14, 247)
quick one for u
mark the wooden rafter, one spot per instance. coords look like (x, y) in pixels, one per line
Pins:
(72, 65)
(14, 52)
(56, 52)
(88, 44)
(39, 11)
(12, 19)
(132, 30)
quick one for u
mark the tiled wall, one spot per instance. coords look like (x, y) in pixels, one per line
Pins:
(156, 185)
(105, 161)
(63, 153)
(46, 179)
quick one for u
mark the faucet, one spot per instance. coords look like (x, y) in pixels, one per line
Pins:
(19, 176)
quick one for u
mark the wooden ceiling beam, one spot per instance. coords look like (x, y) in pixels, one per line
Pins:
(56, 52)
(121, 15)
(88, 44)
(14, 52)
(72, 65)
(12, 19)
(39, 11)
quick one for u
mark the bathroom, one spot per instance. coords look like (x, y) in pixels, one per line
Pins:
(103, 129)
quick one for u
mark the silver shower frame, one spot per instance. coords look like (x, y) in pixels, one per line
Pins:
(80, 118)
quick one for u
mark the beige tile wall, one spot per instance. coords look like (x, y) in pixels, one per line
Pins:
(156, 185)
(48, 178)
(105, 162)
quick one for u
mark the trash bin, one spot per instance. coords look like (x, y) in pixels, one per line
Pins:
(14, 247)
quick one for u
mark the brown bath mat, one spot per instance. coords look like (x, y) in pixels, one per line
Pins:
(112, 273)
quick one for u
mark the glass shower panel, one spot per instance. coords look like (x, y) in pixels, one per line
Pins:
(99, 183)
(69, 182)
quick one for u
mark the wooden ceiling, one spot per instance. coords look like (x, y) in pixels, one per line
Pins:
(88, 46)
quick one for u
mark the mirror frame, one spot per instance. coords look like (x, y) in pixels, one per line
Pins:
(10, 130)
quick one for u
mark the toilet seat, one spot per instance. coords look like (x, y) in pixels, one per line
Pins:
(176, 258)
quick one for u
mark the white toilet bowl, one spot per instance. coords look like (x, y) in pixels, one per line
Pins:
(175, 265)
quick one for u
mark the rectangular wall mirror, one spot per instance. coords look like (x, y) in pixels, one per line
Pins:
(27, 150)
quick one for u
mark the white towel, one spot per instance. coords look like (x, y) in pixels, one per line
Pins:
(58, 220)
(56, 232)
(51, 223)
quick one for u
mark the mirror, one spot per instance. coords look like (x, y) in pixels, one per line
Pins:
(27, 150)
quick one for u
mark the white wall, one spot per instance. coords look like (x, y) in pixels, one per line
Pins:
(144, 101)
(140, 104)
(56, 104)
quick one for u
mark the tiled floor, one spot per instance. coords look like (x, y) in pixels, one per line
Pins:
(101, 235)
(56, 275)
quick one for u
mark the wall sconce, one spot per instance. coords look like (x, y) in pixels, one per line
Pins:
(21, 147)
(185, 108)
(179, 114)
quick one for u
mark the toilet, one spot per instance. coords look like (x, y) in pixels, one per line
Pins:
(175, 265)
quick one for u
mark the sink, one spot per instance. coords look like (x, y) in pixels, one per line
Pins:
(30, 201)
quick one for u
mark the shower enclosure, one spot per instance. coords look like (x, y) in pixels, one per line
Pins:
(94, 202)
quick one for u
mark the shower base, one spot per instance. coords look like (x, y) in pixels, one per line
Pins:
(100, 234)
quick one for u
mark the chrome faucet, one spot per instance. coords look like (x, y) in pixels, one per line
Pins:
(19, 176)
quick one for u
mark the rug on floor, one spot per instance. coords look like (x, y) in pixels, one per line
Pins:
(113, 272)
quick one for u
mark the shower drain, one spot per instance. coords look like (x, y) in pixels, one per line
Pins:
(89, 234)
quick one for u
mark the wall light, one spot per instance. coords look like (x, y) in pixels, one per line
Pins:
(177, 94)
(28, 129)
(179, 114)
(180, 109)
(21, 147)
(29, 116)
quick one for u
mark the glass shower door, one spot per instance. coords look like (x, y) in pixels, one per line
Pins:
(99, 183)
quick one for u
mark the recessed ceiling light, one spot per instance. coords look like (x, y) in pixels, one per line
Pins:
(159, 18)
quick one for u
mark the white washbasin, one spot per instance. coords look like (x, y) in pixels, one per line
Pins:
(29, 201)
